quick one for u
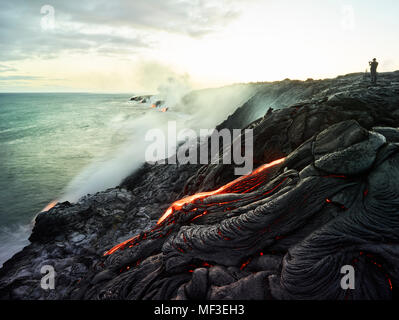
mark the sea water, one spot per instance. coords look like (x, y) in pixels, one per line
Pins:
(47, 139)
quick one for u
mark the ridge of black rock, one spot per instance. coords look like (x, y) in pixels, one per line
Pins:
(334, 201)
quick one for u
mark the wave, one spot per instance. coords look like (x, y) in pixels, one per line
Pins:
(12, 240)
(17, 129)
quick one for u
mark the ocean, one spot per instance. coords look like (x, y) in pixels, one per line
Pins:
(46, 140)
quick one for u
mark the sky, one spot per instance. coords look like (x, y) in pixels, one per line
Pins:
(137, 45)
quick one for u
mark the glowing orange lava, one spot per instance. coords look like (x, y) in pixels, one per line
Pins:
(242, 184)
(202, 195)
(119, 246)
(49, 206)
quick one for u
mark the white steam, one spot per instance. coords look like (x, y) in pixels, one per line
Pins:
(201, 111)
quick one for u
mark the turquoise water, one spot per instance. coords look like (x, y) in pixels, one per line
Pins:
(45, 141)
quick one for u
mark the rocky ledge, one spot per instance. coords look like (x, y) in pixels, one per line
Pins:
(325, 194)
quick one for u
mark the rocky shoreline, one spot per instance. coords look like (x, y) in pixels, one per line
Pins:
(332, 202)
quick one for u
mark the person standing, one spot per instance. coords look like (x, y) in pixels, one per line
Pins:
(373, 70)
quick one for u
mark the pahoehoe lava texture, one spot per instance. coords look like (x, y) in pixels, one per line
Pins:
(283, 232)
(288, 239)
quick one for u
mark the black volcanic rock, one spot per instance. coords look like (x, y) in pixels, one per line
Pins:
(311, 224)
(332, 202)
(346, 148)
(141, 99)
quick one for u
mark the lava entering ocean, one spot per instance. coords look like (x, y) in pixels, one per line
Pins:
(49, 206)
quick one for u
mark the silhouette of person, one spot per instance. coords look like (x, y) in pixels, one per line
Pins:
(373, 70)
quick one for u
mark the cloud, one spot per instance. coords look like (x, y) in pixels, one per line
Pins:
(4, 68)
(19, 77)
(105, 27)
(28, 39)
(193, 17)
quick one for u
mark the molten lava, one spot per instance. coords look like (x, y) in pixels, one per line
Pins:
(243, 184)
(227, 188)
(49, 206)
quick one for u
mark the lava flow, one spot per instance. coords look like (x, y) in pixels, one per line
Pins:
(244, 184)
(49, 206)
(231, 187)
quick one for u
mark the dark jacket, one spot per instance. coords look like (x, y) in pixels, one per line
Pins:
(373, 66)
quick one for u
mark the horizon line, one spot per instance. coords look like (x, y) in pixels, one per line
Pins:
(205, 88)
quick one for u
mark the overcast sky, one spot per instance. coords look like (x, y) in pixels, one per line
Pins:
(135, 45)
